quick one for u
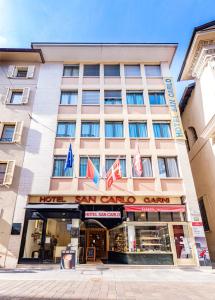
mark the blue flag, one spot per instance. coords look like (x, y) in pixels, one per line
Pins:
(69, 159)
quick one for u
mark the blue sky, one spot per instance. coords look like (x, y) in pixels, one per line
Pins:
(24, 21)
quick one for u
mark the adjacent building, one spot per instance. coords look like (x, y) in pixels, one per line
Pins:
(198, 117)
(106, 100)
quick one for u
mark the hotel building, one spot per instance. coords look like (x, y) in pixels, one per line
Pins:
(105, 99)
(198, 117)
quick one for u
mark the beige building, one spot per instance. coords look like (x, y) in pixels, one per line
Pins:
(106, 99)
(198, 117)
(19, 69)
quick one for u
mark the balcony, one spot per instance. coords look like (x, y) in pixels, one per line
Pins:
(172, 184)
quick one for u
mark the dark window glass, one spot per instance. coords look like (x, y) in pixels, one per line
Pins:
(113, 97)
(71, 71)
(112, 70)
(153, 71)
(91, 70)
(90, 97)
(165, 217)
(153, 216)
(22, 73)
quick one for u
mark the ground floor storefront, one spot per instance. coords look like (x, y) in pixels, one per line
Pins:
(109, 229)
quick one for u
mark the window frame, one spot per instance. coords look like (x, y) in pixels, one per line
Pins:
(112, 157)
(91, 158)
(113, 98)
(69, 92)
(115, 137)
(157, 92)
(5, 171)
(91, 104)
(162, 122)
(7, 124)
(112, 65)
(142, 177)
(62, 157)
(138, 122)
(164, 158)
(66, 122)
(95, 76)
(153, 76)
(132, 65)
(11, 97)
(71, 65)
(135, 92)
(90, 122)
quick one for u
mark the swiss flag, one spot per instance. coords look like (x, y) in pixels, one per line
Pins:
(114, 173)
(137, 162)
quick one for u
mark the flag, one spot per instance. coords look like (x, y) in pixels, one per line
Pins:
(69, 159)
(137, 162)
(114, 173)
(92, 172)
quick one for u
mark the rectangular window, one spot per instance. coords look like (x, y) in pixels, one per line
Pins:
(16, 97)
(7, 133)
(90, 129)
(58, 169)
(112, 70)
(138, 130)
(91, 70)
(110, 161)
(113, 97)
(162, 130)
(168, 167)
(69, 98)
(66, 129)
(132, 70)
(83, 165)
(3, 167)
(113, 129)
(90, 97)
(147, 167)
(22, 72)
(153, 216)
(71, 71)
(153, 71)
(157, 98)
(203, 214)
(134, 98)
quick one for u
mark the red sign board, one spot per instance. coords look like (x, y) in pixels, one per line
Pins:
(155, 208)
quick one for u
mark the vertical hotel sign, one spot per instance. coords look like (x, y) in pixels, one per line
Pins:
(174, 111)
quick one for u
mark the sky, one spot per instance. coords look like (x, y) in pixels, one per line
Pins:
(26, 21)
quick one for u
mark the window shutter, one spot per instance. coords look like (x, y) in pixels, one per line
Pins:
(11, 71)
(8, 178)
(18, 132)
(30, 73)
(25, 95)
(5, 98)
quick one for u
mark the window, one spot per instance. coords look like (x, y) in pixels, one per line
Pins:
(7, 133)
(71, 71)
(66, 129)
(147, 167)
(157, 98)
(168, 167)
(22, 72)
(90, 97)
(110, 161)
(3, 167)
(134, 97)
(132, 70)
(90, 129)
(162, 130)
(83, 165)
(138, 130)
(69, 98)
(111, 70)
(91, 70)
(113, 97)
(113, 129)
(58, 170)
(203, 214)
(16, 97)
(153, 71)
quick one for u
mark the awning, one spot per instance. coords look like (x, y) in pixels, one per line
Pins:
(47, 206)
(154, 208)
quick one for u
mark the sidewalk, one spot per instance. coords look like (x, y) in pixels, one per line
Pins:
(105, 282)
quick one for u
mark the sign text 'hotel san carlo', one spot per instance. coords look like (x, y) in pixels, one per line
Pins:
(174, 111)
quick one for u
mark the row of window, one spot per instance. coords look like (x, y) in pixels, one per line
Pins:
(168, 166)
(112, 97)
(93, 70)
(114, 129)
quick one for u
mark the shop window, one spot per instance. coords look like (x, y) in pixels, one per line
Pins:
(168, 167)
(59, 168)
(153, 216)
(110, 161)
(157, 98)
(203, 214)
(111, 70)
(83, 165)
(7, 133)
(114, 129)
(91, 70)
(182, 241)
(134, 97)
(138, 130)
(147, 167)
(69, 98)
(112, 97)
(90, 97)
(162, 130)
(141, 217)
(66, 129)
(71, 70)
(90, 129)
(153, 71)
(165, 217)
(132, 70)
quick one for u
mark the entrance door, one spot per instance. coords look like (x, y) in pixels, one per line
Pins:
(96, 237)
(182, 240)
